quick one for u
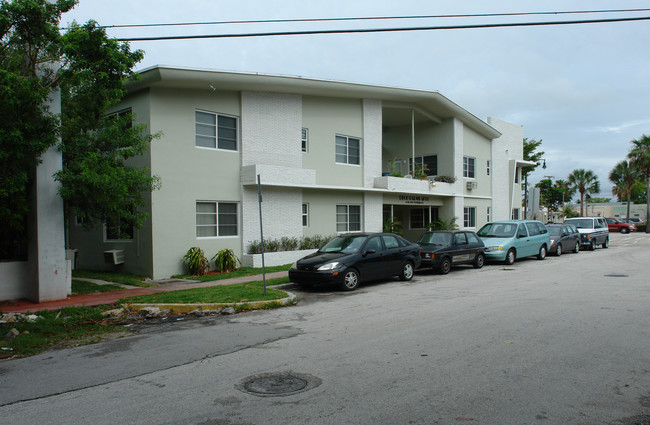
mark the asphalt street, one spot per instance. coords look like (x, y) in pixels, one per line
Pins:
(560, 341)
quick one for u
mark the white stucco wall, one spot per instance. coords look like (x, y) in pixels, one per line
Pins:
(507, 148)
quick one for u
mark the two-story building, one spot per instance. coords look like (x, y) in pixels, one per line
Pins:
(330, 156)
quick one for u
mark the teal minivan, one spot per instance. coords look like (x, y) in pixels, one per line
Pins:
(511, 239)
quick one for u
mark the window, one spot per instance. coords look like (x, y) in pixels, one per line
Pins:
(533, 229)
(374, 243)
(305, 139)
(348, 218)
(121, 115)
(117, 230)
(460, 239)
(516, 174)
(348, 150)
(216, 131)
(472, 239)
(488, 167)
(391, 242)
(489, 214)
(431, 162)
(469, 216)
(216, 219)
(468, 167)
(305, 215)
(419, 217)
(515, 214)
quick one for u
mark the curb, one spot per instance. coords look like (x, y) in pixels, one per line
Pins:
(188, 308)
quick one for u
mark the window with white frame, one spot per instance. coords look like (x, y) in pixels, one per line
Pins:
(305, 215)
(516, 174)
(420, 217)
(431, 162)
(118, 230)
(304, 139)
(215, 131)
(515, 214)
(348, 150)
(215, 219)
(468, 167)
(488, 167)
(489, 214)
(348, 218)
(469, 217)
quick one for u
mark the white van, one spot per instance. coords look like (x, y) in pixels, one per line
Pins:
(593, 231)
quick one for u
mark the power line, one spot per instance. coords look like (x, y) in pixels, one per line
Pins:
(374, 18)
(377, 30)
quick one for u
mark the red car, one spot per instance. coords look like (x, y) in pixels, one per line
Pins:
(616, 225)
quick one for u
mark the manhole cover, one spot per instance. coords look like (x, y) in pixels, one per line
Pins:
(616, 275)
(278, 384)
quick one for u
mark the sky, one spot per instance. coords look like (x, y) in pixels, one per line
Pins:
(584, 90)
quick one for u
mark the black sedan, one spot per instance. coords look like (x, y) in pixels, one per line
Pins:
(443, 248)
(349, 259)
(564, 238)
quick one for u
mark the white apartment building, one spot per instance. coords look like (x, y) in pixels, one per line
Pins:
(323, 151)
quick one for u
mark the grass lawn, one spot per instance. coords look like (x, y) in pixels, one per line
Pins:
(82, 287)
(243, 271)
(73, 326)
(119, 277)
(69, 326)
(249, 291)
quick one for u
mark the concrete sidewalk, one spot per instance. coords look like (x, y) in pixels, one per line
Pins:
(110, 297)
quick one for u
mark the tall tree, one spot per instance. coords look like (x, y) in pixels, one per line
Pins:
(640, 157)
(567, 191)
(89, 68)
(584, 182)
(530, 154)
(623, 175)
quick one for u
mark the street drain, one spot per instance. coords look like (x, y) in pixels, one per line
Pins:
(616, 275)
(278, 384)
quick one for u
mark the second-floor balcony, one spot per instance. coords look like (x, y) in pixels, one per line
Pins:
(409, 185)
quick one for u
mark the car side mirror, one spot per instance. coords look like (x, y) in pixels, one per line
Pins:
(370, 251)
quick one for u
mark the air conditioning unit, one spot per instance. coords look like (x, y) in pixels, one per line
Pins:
(471, 185)
(114, 256)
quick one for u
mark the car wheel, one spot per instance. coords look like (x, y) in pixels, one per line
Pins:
(479, 261)
(624, 230)
(606, 243)
(445, 266)
(510, 257)
(577, 248)
(350, 280)
(559, 250)
(407, 271)
(542, 252)
(592, 245)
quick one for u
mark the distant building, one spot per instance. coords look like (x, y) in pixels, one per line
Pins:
(325, 152)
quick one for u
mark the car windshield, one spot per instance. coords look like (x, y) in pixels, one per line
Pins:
(441, 239)
(554, 231)
(583, 223)
(345, 244)
(498, 230)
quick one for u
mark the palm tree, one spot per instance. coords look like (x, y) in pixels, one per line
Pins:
(585, 182)
(623, 175)
(567, 191)
(640, 159)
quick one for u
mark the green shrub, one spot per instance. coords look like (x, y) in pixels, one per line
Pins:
(226, 260)
(196, 261)
(445, 179)
(288, 244)
(641, 227)
(441, 224)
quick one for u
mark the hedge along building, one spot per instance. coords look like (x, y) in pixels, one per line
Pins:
(323, 151)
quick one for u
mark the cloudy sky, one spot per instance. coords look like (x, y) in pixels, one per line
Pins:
(583, 89)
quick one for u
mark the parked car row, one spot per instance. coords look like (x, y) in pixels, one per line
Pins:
(349, 259)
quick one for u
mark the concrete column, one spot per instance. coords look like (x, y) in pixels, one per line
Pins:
(50, 275)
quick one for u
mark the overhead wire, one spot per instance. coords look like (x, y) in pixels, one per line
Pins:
(379, 30)
(371, 18)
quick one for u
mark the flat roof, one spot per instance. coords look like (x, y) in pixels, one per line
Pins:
(207, 79)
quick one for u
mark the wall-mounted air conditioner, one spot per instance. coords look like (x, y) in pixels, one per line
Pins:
(114, 256)
(471, 185)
